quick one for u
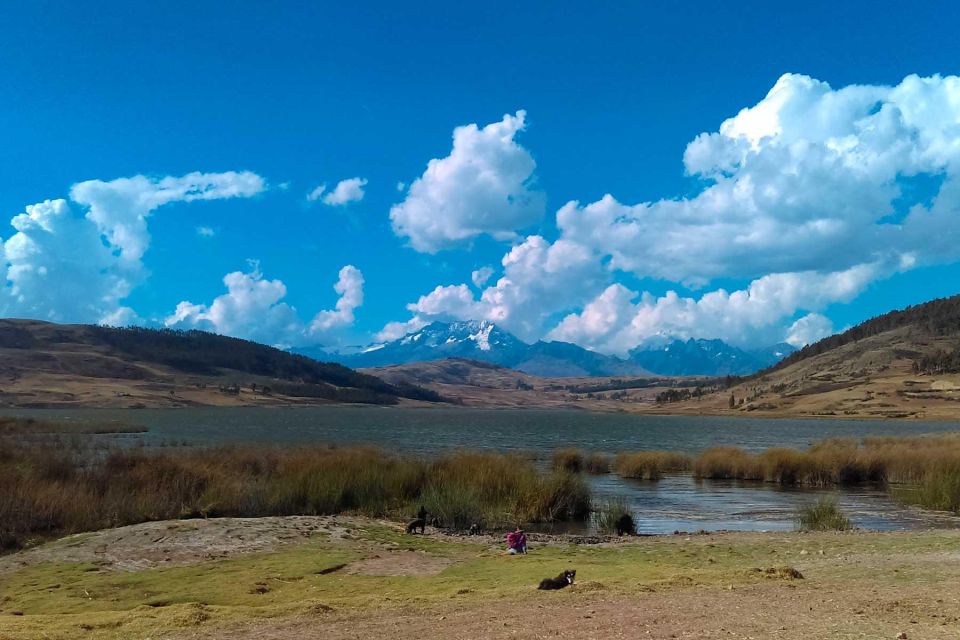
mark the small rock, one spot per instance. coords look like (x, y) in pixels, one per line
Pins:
(902, 636)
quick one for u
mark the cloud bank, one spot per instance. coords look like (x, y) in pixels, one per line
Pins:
(77, 262)
(804, 199)
(809, 195)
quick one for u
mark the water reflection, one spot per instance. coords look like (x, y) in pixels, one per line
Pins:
(680, 503)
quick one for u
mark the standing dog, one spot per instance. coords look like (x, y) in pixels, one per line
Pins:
(418, 523)
(565, 579)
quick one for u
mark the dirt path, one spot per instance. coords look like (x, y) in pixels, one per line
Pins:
(775, 610)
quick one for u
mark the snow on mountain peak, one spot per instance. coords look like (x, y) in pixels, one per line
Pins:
(482, 337)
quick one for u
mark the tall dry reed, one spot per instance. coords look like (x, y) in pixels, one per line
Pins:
(650, 465)
(48, 490)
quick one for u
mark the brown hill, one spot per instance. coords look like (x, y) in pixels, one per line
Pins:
(45, 364)
(482, 384)
(903, 364)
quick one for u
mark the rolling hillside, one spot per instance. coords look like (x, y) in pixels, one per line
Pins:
(903, 364)
(44, 364)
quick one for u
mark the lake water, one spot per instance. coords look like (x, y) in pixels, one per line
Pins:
(673, 503)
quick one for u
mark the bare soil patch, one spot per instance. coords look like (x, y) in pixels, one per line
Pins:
(172, 543)
(400, 563)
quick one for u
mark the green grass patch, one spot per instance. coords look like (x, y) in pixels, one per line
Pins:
(823, 515)
(60, 599)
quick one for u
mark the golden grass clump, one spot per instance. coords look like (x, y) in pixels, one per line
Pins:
(568, 459)
(650, 465)
(727, 463)
(596, 463)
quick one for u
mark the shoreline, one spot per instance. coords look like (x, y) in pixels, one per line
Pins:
(411, 406)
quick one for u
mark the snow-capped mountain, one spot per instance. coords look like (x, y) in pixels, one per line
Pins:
(487, 342)
(707, 358)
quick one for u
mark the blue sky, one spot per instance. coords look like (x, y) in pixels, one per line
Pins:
(251, 106)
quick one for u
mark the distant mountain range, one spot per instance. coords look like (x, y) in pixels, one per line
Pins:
(708, 358)
(487, 342)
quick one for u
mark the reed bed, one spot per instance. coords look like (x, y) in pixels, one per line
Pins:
(596, 463)
(920, 470)
(719, 463)
(650, 465)
(576, 461)
(49, 489)
(27, 427)
(838, 461)
(568, 459)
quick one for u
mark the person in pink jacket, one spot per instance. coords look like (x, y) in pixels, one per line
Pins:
(516, 542)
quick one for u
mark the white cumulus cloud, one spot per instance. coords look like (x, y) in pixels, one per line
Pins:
(485, 186)
(809, 329)
(317, 193)
(253, 308)
(78, 262)
(810, 178)
(120, 207)
(481, 276)
(58, 269)
(539, 279)
(346, 191)
(350, 288)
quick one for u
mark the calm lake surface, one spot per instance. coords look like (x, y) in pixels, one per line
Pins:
(673, 503)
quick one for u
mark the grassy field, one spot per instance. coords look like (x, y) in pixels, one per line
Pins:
(351, 573)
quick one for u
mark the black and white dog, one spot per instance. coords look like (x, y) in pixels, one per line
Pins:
(565, 579)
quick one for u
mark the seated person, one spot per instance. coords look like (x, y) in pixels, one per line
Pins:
(516, 542)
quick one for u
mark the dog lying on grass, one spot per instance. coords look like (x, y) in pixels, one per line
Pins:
(565, 579)
(417, 523)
